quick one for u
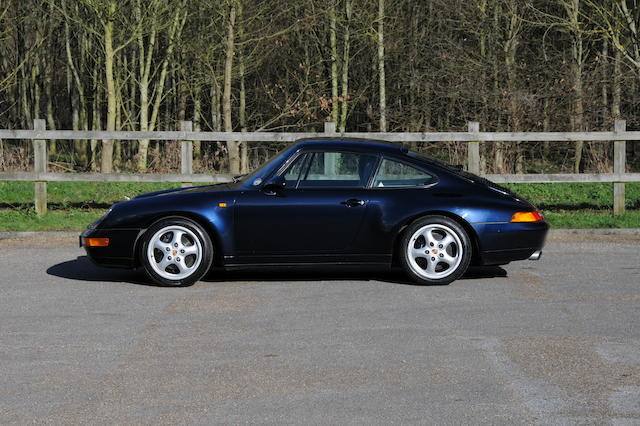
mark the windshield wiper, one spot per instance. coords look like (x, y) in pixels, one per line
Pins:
(237, 178)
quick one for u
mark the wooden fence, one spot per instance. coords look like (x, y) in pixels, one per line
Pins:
(473, 136)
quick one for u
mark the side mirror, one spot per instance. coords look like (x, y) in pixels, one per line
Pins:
(274, 185)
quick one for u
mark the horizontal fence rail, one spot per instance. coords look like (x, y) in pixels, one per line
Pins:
(292, 136)
(116, 177)
(221, 178)
(473, 136)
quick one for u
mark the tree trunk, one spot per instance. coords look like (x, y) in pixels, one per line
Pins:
(617, 89)
(498, 147)
(97, 119)
(381, 75)
(197, 112)
(48, 85)
(546, 127)
(510, 50)
(216, 123)
(483, 79)
(145, 56)
(107, 144)
(117, 144)
(604, 91)
(333, 46)
(242, 110)
(345, 68)
(242, 118)
(232, 146)
(573, 10)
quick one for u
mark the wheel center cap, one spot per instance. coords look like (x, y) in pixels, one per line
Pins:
(174, 252)
(434, 251)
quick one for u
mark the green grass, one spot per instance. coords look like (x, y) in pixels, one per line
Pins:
(73, 205)
(575, 196)
(592, 219)
(76, 194)
(55, 220)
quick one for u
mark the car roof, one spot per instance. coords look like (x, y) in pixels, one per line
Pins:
(369, 145)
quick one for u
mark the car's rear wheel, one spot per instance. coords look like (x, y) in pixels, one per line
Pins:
(435, 250)
(176, 252)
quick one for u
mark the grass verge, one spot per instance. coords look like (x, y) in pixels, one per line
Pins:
(55, 220)
(73, 205)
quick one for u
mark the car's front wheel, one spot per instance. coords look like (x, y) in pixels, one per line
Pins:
(176, 252)
(435, 250)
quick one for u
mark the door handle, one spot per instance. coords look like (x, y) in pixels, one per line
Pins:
(352, 202)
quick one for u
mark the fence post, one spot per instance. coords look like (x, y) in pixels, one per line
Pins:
(329, 127)
(619, 166)
(473, 149)
(186, 153)
(40, 161)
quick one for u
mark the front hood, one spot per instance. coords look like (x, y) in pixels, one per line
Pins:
(190, 190)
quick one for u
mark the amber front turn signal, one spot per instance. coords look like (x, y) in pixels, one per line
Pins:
(97, 242)
(534, 216)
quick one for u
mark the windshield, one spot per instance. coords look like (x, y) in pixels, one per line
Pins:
(265, 169)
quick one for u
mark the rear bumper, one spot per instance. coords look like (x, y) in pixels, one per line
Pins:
(121, 250)
(502, 257)
(501, 243)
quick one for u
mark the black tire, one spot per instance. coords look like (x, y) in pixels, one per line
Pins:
(203, 245)
(447, 273)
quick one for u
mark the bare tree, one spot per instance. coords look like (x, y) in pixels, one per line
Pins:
(382, 84)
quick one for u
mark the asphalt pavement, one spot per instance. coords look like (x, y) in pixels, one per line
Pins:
(555, 341)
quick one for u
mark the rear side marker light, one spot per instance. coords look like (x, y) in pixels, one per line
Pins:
(534, 216)
(97, 242)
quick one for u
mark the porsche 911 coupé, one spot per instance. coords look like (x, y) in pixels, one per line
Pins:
(323, 202)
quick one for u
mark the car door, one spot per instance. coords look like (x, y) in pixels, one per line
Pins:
(318, 213)
(398, 190)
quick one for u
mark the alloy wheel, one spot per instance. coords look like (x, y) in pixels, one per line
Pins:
(434, 251)
(174, 252)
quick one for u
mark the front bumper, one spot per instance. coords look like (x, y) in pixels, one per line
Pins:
(121, 251)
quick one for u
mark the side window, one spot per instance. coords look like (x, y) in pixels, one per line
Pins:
(393, 174)
(337, 170)
(292, 175)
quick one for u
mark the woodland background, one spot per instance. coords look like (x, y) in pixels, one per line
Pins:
(291, 65)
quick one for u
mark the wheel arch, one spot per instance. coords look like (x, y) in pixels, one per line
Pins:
(473, 236)
(199, 219)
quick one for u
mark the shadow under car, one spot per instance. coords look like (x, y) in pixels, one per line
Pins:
(82, 269)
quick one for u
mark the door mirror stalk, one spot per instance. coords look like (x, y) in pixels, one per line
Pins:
(274, 185)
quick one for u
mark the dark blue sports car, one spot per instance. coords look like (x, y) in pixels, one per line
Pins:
(324, 202)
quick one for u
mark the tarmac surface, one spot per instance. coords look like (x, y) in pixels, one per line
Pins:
(555, 341)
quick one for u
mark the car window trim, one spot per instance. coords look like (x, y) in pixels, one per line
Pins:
(307, 167)
(305, 162)
(374, 171)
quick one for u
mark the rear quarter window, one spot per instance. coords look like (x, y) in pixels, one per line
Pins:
(396, 174)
